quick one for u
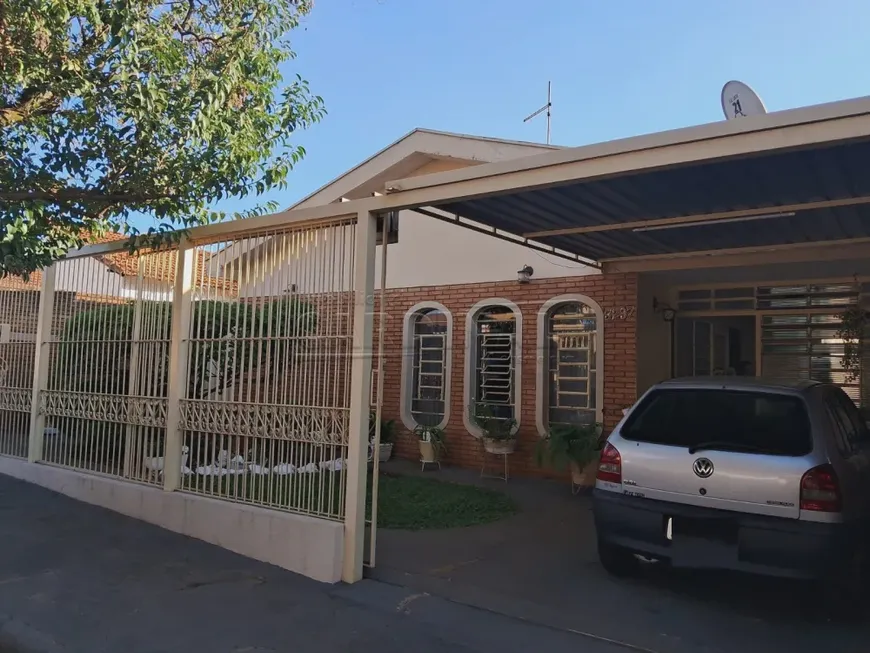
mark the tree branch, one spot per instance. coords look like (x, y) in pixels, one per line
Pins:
(33, 101)
(76, 195)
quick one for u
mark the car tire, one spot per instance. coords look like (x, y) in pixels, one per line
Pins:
(616, 560)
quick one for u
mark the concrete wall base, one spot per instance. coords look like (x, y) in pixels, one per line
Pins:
(304, 545)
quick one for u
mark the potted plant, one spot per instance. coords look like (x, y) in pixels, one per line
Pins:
(388, 436)
(432, 444)
(570, 446)
(499, 433)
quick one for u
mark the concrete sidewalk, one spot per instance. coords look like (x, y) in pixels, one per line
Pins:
(76, 578)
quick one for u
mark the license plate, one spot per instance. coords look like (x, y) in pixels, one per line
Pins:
(695, 528)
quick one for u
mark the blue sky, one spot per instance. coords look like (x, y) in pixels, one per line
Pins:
(619, 68)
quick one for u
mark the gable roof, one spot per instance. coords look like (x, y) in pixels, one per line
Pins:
(414, 150)
(414, 153)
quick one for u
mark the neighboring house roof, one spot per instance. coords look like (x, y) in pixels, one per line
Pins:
(157, 266)
(10, 282)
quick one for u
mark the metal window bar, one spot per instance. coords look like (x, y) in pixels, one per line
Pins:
(429, 367)
(494, 353)
(568, 347)
(571, 363)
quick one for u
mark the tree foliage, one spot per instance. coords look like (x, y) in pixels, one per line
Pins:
(229, 343)
(115, 108)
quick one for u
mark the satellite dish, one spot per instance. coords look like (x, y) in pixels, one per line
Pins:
(739, 101)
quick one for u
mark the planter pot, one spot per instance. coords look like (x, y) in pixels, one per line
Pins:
(427, 453)
(499, 447)
(583, 477)
(385, 451)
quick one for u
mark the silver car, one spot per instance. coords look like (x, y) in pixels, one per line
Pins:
(751, 474)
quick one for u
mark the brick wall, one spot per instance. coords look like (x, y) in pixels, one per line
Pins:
(613, 292)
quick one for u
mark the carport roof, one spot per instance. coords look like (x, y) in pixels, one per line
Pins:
(786, 178)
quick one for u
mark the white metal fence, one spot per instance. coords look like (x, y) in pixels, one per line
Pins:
(104, 400)
(266, 402)
(19, 304)
(220, 367)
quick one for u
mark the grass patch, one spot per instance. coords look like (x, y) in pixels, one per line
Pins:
(404, 502)
(415, 503)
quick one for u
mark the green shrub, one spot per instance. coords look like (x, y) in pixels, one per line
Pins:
(229, 340)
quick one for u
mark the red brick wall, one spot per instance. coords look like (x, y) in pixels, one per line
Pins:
(613, 292)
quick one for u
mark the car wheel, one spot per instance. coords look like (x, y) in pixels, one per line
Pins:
(616, 560)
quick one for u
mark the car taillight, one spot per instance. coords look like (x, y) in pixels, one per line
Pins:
(820, 490)
(610, 465)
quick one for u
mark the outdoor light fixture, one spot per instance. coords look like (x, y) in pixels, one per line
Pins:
(525, 275)
(704, 223)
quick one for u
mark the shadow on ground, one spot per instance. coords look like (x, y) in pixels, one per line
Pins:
(541, 565)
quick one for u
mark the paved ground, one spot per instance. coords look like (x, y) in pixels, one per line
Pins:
(541, 565)
(76, 578)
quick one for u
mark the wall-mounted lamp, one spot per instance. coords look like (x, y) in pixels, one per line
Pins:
(668, 314)
(525, 275)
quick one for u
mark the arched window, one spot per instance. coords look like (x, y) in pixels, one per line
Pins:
(570, 357)
(426, 365)
(493, 336)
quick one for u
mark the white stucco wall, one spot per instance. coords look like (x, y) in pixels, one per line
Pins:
(431, 252)
(90, 276)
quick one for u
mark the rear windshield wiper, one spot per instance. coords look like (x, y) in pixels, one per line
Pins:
(727, 446)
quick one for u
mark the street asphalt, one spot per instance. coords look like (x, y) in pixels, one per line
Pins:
(77, 578)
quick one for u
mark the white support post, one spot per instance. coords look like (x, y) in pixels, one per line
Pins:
(40, 364)
(179, 339)
(360, 398)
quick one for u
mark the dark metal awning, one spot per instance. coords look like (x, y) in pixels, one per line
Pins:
(780, 197)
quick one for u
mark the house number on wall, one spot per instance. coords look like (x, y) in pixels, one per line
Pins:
(620, 313)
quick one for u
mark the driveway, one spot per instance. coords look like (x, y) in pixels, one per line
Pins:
(541, 566)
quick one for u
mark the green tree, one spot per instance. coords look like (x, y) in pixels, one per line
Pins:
(114, 108)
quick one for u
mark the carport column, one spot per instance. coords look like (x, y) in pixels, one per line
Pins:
(40, 363)
(179, 337)
(360, 397)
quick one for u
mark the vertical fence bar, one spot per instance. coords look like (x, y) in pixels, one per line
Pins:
(360, 397)
(41, 363)
(130, 458)
(182, 298)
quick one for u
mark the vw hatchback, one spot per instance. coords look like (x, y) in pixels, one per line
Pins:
(737, 473)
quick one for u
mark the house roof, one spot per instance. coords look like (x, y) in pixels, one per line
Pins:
(419, 152)
(413, 151)
(780, 180)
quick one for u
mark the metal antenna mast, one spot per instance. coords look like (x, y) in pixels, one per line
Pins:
(546, 108)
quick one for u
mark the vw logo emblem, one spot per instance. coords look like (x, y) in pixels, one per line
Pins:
(703, 467)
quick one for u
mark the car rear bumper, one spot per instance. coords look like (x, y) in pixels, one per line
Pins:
(720, 539)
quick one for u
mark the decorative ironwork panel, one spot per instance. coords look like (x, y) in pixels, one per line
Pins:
(144, 411)
(15, 399)
(275, 421)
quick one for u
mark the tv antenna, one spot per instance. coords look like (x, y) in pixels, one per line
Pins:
(546, 108)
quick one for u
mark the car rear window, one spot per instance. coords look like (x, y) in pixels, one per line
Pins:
(731, 419)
